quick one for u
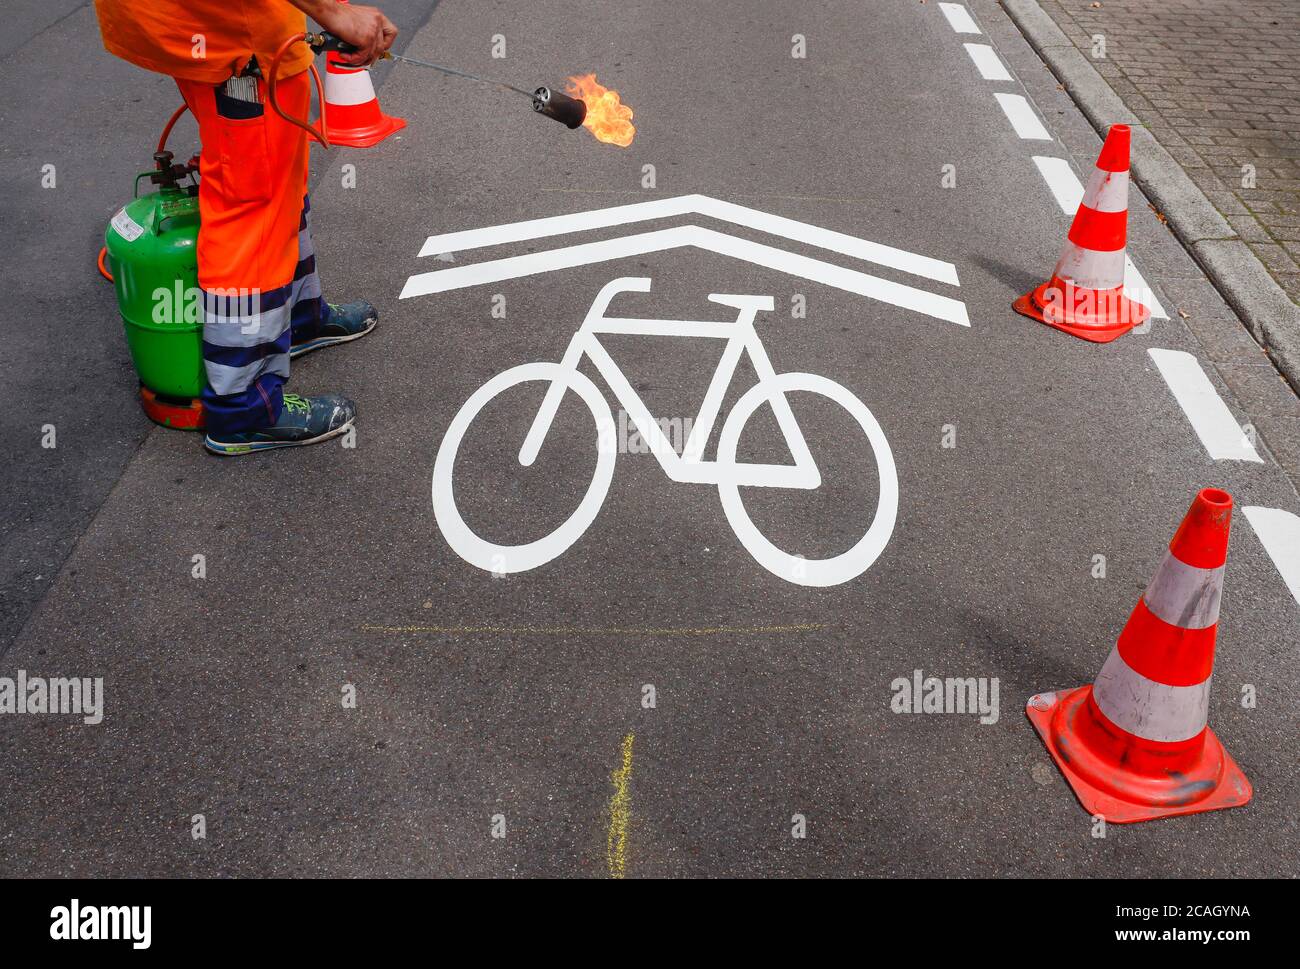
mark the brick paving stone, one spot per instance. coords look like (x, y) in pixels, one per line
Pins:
(1217, 82)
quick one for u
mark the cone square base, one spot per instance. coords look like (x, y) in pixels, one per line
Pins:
(368, 135)
(1220, 785)
(1079, 322)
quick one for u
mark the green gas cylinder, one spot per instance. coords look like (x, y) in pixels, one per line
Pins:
(152, 255)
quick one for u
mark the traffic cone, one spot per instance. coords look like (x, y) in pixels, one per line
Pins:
(1134, 745)
(352, 113)
(1085, 295)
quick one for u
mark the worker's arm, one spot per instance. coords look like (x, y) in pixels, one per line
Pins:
(365, 28)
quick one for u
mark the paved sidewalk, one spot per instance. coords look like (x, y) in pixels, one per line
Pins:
(1217, 83)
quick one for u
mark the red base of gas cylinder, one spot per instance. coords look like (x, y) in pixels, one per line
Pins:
(176, 412)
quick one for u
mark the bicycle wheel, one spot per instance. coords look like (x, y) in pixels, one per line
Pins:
(792, 568)
(501, 559)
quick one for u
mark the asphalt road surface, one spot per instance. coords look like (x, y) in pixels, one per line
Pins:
(651, 701)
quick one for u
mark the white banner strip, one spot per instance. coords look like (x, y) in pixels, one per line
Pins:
(850, 280)
(845, 245)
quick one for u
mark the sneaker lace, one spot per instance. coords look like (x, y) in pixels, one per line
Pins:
(296, 404)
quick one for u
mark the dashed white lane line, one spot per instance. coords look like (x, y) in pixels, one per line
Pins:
(987, 62)
(1068, 191)
(959, 17)
(1022, 117)
(1206, 412)
(1060, 178)
(1222, 436)
(1279, 533)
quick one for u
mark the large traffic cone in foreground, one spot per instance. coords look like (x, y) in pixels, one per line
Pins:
(1134, 745)
(1085, 295)
(352, 113)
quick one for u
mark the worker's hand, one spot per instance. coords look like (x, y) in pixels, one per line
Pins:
(365, 28)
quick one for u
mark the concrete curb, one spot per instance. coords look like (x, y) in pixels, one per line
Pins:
(1263, 306)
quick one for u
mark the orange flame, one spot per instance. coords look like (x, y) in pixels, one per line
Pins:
(608, 118)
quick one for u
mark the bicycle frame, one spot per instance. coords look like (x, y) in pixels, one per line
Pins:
(689, 466)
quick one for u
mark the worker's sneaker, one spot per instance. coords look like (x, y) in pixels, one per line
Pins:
(303, 420)
(347, 322)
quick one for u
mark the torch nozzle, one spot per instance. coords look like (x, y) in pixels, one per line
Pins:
(570, 112)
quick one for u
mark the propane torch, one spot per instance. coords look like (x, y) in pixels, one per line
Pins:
(570, 112)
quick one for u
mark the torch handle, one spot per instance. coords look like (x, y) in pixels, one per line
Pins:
(325, 41)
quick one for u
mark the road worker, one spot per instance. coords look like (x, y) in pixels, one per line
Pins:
(261, 296)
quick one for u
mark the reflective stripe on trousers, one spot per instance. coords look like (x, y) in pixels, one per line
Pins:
(246, 340)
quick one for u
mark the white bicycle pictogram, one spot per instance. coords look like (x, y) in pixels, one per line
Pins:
(689, 467)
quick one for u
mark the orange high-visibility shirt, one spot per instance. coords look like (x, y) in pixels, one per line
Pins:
(202, 40)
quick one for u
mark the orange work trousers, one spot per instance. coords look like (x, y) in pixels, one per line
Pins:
(255, 256)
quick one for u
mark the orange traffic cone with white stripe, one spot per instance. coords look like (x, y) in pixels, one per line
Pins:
(1085, 295)
(1134, 745)
(352, 113)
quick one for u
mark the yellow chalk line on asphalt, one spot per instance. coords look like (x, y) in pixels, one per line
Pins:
(597, 631)
(620, 813)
